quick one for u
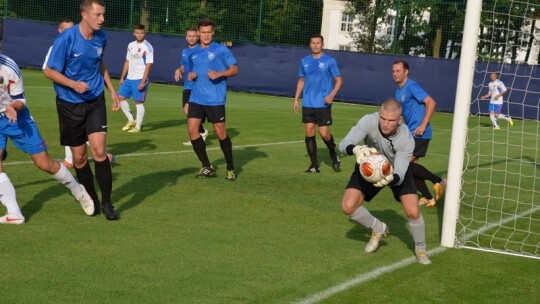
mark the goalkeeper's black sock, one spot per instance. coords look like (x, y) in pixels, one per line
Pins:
(226, 147)
(199, 146)
(86, 178)
(423, 173)
(311, 145)
(104, 178)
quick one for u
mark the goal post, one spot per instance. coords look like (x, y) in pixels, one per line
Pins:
(459, 125)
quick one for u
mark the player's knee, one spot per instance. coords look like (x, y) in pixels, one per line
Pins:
(348, 208)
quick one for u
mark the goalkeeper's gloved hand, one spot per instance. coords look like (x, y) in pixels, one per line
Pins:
(385, 181)
(362, 152)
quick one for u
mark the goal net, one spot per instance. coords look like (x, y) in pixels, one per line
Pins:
(498, 196)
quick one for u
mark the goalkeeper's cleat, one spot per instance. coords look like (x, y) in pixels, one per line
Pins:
(230, 176)
(313, 170)
(496, 127)
(135, 130)
(422, 257)
(206, 172)
(11, 219)
(129, 126)
(373, 243)
(87, 203)
(440, 189)
(510, 122)
(426, 202)
(336, 163)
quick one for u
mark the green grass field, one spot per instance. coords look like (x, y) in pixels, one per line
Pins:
(276, 235)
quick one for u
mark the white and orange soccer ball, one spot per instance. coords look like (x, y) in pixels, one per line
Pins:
(375, 167)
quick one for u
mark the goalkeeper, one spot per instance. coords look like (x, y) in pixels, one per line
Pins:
(383, 133)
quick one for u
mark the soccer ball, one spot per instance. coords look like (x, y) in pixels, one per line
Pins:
(375, 167)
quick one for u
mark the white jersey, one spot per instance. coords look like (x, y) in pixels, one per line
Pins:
(496, 87)
(139, 55)
(11, 83)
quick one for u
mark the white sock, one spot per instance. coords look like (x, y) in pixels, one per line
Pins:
(493, 120)
(502, 116)
(418, 232)
(140, 114)
(362, 216)
(69, 155)
(124, 105)
(8, 196)
(65, 177)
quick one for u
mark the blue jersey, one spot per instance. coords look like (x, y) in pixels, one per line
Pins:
(215, 57)
(411, 97)
(184, 61)
(318, 74)
(78, 59)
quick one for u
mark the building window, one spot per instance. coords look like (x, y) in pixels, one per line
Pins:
(346, 23)
(390, 25)
(344, 47)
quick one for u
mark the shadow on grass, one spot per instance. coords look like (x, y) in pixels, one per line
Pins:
(241, 157)
(131, 147)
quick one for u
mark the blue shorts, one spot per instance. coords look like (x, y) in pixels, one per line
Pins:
(23, 133)
(496, 108)
(129, 89)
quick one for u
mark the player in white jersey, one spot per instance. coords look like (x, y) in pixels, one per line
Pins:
(134, 78)
(496, 91)
(17, 124)
(383, 132)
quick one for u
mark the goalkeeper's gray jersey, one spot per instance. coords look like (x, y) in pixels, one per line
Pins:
(398, 148)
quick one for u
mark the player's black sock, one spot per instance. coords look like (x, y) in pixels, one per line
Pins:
(311, 145)
(104, 179)
(86, 178)
(199, 146)
(201, 128)
(330, 144)
(423, 173)
(226, 147)
(422, 187)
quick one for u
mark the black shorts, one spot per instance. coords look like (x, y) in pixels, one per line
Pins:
(318, 116)
(370, 191)
(420, 147)
(78, 120)
(214, 114)
(185, 97)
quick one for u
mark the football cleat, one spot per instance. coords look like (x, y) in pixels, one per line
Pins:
(231, 176)
(373, 243)
(336, 163)
(67, 164)
(112, 158)
(187, 143)
(440, 189)
(206, 172)
(422, 257)
(510, 122)
(129, 126)
(87, 203)
(426, 202)
(108, 211)
(204, 135)
(11, 219)
(134, 130)
(496, 127)
(313, 170)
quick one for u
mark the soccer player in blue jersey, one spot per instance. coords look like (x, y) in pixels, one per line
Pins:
(210, 64)
(181, 73)
(17, 124)
(382, 132)
(134, 78)
(418, 109)
(76, 67)
(319, 80)
(496, 91)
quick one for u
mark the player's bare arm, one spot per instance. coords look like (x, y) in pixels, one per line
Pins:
(337, 86)
(142, 84)
(115, 102)
(299, 89)
(13, 108)
(231, 71)
(124, 72)
(430, 110)
(57, 77)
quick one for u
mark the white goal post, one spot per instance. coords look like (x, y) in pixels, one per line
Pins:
(492, 199)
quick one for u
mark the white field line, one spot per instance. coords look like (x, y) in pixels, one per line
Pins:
(395, 266)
